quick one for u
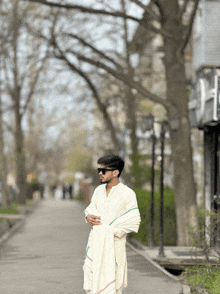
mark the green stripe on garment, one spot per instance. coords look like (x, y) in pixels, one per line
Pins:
(123, 214)
(86, 252)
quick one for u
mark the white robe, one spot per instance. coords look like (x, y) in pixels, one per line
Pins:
(105, 267)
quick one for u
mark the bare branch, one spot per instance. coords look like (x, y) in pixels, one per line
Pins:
(85, 9)
(92, 87)
(16, 24)
(148, 26)
(33, 84)
(7, 79)
(8, 127)
(124, 78)
(183, 8)
(119, 14)
(94, 49)
(5, 110)
(146, 9)
(39, 70)
(190, 26)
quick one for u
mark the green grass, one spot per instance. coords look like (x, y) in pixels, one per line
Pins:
(208, 277)
(9, 209)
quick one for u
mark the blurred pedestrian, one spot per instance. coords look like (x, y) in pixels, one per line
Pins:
(71, 191)
(64, 191)
(58, 193)
(112, 213)
(53, 190)
(42, 191)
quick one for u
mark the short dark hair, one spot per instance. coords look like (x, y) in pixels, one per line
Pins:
(112, 161)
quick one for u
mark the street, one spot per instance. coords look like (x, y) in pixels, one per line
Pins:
(46, 256)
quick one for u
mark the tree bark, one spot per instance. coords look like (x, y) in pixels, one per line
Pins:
(20, 160)
(16, 85)
(130, 104)
(15, 91)
(184, 185)
(5, 192)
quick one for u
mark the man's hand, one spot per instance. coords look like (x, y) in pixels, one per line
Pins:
(93, 220)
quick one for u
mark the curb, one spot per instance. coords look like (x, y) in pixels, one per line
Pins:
(11, 231)
(139, 248)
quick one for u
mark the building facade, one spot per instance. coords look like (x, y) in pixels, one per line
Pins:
(204, 105)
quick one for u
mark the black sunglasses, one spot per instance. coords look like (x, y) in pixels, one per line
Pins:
(104, 170)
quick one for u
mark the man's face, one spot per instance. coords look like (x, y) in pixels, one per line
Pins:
(107, 175)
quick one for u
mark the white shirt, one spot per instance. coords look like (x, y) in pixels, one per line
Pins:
(120, 199)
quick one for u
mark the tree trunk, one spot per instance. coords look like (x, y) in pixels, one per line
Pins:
(5, 193)
(20, 166)
(131, 123)
(131, 107)
(184, 185)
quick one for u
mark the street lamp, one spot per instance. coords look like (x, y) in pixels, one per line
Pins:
(147, 124)
(164, 127)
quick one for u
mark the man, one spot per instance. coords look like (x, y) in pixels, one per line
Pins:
(112, 213)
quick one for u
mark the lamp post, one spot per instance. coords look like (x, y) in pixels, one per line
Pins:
(164, 126)
(151, 243)
(147, 124)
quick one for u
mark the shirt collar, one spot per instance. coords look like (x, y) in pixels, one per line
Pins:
(113, 188)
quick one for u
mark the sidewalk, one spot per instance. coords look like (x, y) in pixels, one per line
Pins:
(46, 256)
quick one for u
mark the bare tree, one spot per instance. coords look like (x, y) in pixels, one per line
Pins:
(167, 18)
(125, 94)
(3, 165)
(95, 92)
(23, 62)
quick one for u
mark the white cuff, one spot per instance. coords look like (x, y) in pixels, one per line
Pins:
(86, 218)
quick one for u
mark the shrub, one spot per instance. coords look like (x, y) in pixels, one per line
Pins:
(141, 171)
(206, 277)
(206, 227)
(144, 204)
(80, 196)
